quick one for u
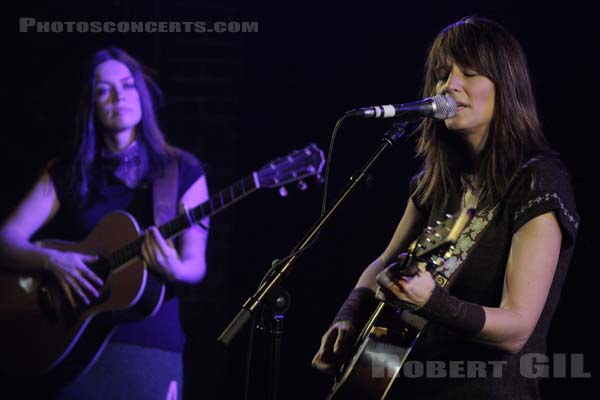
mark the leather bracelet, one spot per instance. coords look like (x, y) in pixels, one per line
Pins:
(453, 313)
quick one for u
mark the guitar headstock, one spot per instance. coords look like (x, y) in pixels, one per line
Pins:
(296, 166)
(437, 239)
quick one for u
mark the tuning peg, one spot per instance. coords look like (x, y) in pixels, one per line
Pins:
(283, 191)
(302, 186)
(320, 178)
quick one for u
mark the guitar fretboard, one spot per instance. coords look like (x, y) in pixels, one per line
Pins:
(216, 203)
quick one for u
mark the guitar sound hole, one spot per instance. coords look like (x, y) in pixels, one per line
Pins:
(101, 268)
(104, 294)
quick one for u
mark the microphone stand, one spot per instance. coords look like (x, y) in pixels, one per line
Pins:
(270, 291)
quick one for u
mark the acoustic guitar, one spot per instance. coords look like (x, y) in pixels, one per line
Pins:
(392, 331)
(42, 335)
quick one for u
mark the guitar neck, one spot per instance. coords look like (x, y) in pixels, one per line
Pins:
(215, 204)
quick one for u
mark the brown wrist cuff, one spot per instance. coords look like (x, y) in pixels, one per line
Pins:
(453, 313)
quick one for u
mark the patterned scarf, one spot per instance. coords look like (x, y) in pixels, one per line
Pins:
(128, 166)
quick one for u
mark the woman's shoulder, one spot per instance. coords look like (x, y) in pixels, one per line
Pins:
(185, 158)
(543, 184)
(543, 176)
(190, 168)
(545, 168)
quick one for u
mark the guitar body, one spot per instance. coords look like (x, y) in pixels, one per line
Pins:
(392, 331)
(42, 334)
(382, 349)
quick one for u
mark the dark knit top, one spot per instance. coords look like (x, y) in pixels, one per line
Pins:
(74, 221)
(543, 185)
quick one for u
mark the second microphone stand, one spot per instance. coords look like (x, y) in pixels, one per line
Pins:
(270, 291)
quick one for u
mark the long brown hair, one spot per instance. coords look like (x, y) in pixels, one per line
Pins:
(84, 160)
(515, 132)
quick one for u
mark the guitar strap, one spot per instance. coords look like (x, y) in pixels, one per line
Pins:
(164, 193)
(446, 274)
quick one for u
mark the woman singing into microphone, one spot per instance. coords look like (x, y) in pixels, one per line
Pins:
(491, 156)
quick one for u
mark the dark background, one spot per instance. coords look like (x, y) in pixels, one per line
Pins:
(238, 100)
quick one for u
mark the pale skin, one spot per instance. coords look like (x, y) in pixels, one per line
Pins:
(532, 259)
(119, 111)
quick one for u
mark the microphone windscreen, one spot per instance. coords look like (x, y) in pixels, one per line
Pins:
(445, 107)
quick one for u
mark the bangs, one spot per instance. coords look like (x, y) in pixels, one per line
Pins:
(465, 44)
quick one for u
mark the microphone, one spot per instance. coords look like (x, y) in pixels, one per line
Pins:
(438, 107)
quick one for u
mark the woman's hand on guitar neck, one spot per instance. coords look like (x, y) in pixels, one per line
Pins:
(415, 289)
(336, 345)
(160, 255)
(73, 274)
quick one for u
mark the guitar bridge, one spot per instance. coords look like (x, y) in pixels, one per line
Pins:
(379, 331)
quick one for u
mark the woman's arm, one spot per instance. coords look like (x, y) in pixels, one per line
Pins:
(532, 261)
(338, 339)
(193, 242)
(408, 229)
(530, 270)
(189, 265)
(38, 207)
